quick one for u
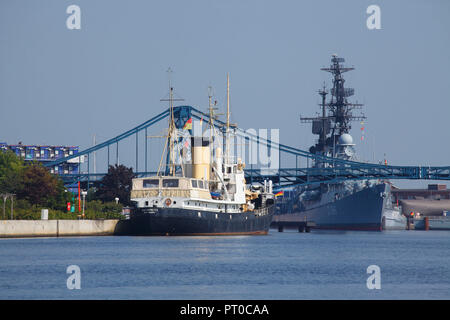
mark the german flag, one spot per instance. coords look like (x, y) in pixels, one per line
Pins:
(188, 125)
(281, 193)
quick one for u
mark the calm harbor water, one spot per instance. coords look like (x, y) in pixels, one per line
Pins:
(288, 265)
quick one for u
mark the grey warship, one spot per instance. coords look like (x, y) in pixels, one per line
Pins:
(348, 205)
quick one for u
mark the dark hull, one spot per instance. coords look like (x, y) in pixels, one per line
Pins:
(363, 210)
(176, 221)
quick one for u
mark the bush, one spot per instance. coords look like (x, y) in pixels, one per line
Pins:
(36, 188)
(95, 209)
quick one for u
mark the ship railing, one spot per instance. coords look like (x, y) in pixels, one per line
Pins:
(261, 211)
(229, 159)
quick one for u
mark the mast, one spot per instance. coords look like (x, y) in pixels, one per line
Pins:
(337, 121)
(171, 134)
(323, 135)
(227, 138)
(211, 115)
(340, 108)
(228, 101)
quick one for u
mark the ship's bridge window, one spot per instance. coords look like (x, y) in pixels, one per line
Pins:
(194, 183)
(170, 183)
(151, 183)
(200, 184)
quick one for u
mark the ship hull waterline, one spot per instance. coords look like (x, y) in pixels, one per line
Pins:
(366, 210)
(189, 222)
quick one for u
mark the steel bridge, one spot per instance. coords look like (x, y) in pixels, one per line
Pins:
(333, 170)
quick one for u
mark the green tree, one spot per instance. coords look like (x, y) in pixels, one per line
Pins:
(61, 197)
(116, 183)
(40, 187)
(11, 172)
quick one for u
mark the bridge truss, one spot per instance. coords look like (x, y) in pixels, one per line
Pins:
(334, 170)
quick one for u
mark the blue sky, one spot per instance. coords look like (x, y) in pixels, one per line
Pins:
(60, 86)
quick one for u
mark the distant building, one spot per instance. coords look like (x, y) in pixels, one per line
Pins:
(47, 154)
(434, 192)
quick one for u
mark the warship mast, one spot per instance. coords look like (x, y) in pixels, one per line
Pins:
(336, 113)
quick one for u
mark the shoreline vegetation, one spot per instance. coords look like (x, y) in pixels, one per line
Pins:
(35, 188)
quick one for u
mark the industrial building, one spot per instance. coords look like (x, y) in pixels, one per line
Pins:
(46, 154)
(434, 201)
(434, 192)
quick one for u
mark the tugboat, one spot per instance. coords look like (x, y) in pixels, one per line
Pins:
(349, 205)
(204, 195)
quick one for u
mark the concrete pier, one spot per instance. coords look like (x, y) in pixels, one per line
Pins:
(62, 228)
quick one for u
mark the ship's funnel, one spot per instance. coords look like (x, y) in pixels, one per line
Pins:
(201, 158)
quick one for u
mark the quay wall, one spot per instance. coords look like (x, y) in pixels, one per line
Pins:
(61, 228)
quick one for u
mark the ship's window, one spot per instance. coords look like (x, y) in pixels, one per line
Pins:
(170, 183)
(146, 203)
(231, 187)
(200, 184)
(151, 183)
(194, 183)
